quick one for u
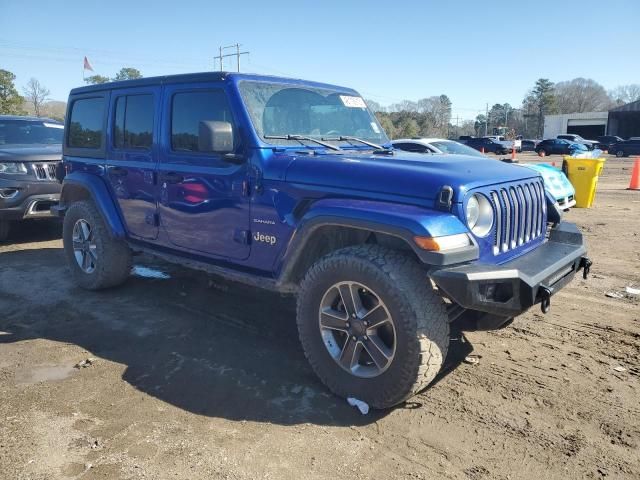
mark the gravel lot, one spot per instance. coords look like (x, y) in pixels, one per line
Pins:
(194, 377)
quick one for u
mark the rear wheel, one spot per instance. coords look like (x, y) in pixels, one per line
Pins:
(371, 325)
(5, 227)
(97, 260)
(620, 153)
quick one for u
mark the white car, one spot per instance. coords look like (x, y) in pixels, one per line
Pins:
(555, 181)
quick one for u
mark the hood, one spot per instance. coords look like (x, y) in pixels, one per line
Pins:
(405, 174)
(555, 181)
(30, 153)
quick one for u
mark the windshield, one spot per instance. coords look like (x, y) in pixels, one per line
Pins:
(456, 148)
(29, 132)
(280, 109)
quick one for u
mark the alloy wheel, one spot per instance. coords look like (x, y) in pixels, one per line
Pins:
(85, 249)
(357, 329)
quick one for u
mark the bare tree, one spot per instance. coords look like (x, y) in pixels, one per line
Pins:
(581, 95)
(36, 94)
(625, 93)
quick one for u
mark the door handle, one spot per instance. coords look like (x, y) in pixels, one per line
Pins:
(118, 171)
(172, 177)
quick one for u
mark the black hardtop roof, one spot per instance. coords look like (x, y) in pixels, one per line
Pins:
(29, 118)
(188, 78)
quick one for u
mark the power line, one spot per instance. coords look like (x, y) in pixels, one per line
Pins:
(237, 54)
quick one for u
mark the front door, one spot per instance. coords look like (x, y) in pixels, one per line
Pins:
(131, 157)
(203, 196)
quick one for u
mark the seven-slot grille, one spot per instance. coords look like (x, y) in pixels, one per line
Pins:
(520, 212)
(45, 171)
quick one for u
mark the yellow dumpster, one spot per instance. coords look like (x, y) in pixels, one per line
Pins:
(583, 174)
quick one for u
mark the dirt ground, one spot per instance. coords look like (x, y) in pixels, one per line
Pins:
(194, 377)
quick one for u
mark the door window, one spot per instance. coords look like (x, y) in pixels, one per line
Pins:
(133, 125)
(188, 110)
(85, 124)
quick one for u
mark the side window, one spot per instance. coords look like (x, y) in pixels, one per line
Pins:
(133, 124)
(188, 109)
(85, 123)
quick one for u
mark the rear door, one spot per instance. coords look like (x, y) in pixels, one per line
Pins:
(131, 157)
(203, 196)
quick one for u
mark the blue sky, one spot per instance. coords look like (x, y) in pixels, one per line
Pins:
(475, 53)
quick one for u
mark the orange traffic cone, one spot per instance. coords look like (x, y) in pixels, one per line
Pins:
(513, 153)
(634, 184)
(481, 149)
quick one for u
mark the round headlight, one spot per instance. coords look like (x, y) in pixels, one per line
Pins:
(473, 211)
(479, 215)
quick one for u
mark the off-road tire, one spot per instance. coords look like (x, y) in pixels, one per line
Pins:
(114, 256)
(419, 317)
(5, 227)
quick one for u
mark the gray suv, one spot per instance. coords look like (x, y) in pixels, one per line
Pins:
(30, 150)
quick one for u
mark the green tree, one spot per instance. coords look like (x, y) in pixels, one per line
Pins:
(387, 124)
(408, 128)
(95, 79)
(479, 124)
(541, 99)
(10, 100)
(127, 73)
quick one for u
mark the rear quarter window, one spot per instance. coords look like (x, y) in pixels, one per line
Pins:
(86, 123)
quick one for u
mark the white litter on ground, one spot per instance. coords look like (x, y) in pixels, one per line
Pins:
(620, 369)
(362, 406)
(632, 291)
(147, 272)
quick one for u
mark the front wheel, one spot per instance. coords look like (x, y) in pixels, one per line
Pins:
(371, 325)
(620, 153)
(97, 260)
(542, 152)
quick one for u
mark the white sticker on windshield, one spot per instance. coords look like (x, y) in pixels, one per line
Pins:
(375, 128)
(353, 102)
(52, 125)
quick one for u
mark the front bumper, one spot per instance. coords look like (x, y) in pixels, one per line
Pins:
(27, 199)
(512, 288)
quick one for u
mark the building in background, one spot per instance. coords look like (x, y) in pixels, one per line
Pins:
(588, 125)
(624, 121)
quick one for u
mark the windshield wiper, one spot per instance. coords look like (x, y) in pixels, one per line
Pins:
(355, 139)
(299, 138)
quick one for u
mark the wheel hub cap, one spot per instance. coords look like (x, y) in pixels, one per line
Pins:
(357, 329)
(84, 246)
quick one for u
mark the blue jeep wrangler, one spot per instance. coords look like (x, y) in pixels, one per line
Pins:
(293, 186)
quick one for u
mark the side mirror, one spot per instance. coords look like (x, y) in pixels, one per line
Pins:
(215, 136)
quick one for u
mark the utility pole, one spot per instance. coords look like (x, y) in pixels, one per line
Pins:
(486, 121)
(237, 54)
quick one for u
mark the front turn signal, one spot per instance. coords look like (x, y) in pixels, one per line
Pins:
(440, 244)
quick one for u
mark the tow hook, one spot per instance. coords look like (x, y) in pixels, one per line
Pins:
(585, 264)
(545, 302)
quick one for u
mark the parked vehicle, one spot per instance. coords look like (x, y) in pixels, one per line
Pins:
(509, 144)
(488, 145)
(553, 146)
(30, 149)
(625, 148)
(529, 145)
(435, 145)
(606, 141)
(555, 181)
(464, 138)
(590, 144)
(295, 187)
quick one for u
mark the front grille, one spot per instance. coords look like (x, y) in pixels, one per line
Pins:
(520, 212)
(45, 171)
